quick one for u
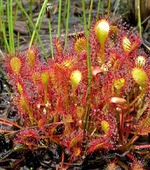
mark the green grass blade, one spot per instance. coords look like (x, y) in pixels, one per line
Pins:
(51, 37)
(84, 14)
(39, 20)
(88, 63)
(109, 4)
(67, 22)
(32, 25)
(139, 17)
(103, 2)
(98, 9)
(10, 26)
(59, 18)
(3, 27)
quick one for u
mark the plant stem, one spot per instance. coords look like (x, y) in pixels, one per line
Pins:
(9, 123)
(18, 40)
(86, 118)
(51, 37)
(146, 146)
(50, 30)
(122, 125)
(137, 98)
(45, 94)
(132, 140)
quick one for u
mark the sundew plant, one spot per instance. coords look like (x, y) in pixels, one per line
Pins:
(92, 99)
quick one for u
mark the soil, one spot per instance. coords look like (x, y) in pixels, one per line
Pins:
(48, 159)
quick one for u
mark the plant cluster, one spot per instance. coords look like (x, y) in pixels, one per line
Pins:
(91, 98)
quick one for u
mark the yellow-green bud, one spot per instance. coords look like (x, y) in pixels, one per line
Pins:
(102, 30)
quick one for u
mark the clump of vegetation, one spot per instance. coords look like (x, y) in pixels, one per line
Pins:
(91, 100)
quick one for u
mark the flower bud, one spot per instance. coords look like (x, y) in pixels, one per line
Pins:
(102, 30)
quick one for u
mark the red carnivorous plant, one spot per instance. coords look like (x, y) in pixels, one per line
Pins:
(51, 98)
